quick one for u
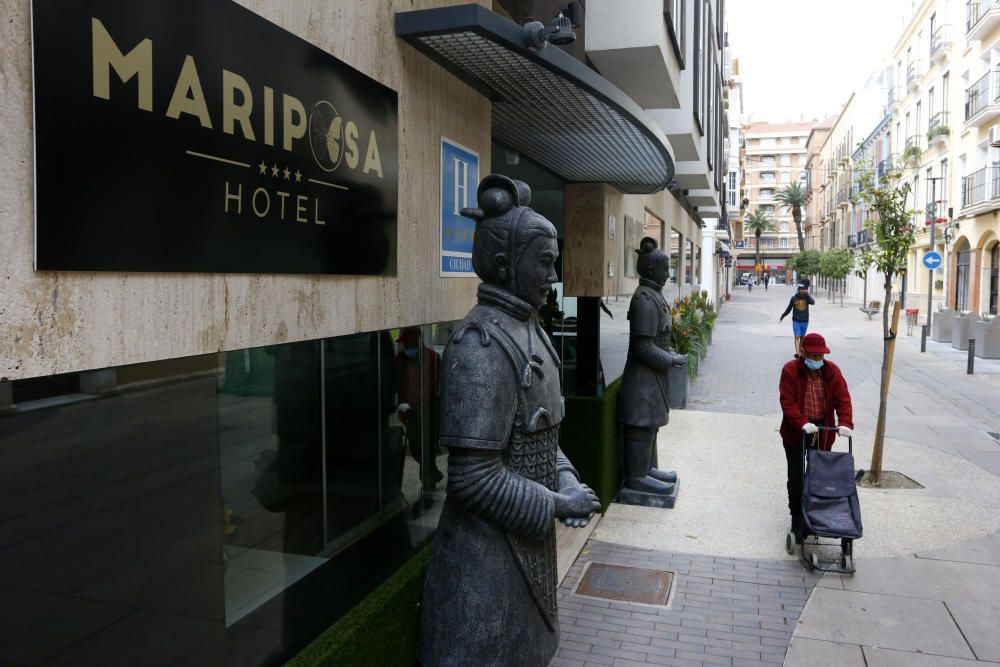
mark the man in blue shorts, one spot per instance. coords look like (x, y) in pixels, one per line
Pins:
(798, 306)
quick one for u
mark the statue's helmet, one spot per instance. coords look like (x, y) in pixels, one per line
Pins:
(652, 263)
(505, 224)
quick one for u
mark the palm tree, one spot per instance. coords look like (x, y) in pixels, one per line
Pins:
(794, 197)
(758, 223)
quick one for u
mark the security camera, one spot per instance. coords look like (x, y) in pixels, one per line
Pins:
(560, 32)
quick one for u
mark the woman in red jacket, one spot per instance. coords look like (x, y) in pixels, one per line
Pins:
(813, 394)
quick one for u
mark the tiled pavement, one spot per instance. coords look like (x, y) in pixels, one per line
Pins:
(939, 607)
(722, 611)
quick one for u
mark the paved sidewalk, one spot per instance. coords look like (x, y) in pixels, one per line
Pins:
(928, 581)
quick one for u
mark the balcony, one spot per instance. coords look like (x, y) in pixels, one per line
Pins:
(883, 168)
(852, 241)
(938, 130)
(844, 195)
(914, 72)
(940, 44)
(982, 100)
(630, 46)
(912, 151)
(981, 17)
(981, 189)
(893, 97)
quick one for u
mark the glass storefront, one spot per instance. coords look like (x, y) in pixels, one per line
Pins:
(219, 509)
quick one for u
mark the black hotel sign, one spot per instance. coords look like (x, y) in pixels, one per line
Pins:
(193, 135)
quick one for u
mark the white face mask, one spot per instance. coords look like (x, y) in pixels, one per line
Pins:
(813, 365)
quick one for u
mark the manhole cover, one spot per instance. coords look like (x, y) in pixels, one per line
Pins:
(625, 584)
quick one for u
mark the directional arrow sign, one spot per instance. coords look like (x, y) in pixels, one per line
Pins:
(932, 260)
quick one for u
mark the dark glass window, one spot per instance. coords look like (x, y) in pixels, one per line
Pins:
(994, 277)
(962, 278)
(218, 509)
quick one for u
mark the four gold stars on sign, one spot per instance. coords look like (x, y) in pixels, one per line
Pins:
(277, 172)
(462, 235)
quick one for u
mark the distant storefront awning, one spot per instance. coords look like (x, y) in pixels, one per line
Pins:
(546, 104)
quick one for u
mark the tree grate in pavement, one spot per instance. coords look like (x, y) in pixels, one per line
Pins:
(625, 584)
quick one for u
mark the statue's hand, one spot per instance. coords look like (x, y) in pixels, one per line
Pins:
(575, 505)
(679, 360)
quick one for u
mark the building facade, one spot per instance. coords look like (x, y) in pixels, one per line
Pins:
(775, 157)
(972, 257)
(218, 398)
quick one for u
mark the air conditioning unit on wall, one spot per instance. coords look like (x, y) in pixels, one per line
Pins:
(995, 136)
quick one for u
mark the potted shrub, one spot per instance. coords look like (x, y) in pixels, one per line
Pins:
(911, 154)
(938, 135)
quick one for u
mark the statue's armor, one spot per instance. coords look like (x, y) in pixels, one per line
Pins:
(642, 400)
(501, 409)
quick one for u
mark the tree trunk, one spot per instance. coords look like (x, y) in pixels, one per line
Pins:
(888, 349)
(757, 262)
(797, 217)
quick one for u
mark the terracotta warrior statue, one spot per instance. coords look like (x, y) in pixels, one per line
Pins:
(490, 593)
(642, 403)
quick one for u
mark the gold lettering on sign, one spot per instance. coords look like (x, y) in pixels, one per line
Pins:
(351, 144)
(292, 130)
(284, 196)
(373, 162)
(188, 96)
(316, 217)
(267, 202)
(299, 208)
(230, 110)
(238, 197)
(138, 62)
(268, 115)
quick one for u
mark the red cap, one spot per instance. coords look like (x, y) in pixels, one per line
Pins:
(410, 336)
(814, 344)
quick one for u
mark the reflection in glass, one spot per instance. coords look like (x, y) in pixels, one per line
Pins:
(675, 257)
(689, 263)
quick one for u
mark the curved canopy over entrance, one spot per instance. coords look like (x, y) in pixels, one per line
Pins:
(546, 104)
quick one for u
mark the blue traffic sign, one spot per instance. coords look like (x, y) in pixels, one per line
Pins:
(932, 259)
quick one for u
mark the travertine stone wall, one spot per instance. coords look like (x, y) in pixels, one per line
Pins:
(61, 322)
(589, 250)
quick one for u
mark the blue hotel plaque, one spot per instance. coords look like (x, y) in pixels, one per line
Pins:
(459, 180)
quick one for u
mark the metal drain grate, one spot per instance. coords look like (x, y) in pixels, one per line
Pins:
(995, 436)
(625, 584)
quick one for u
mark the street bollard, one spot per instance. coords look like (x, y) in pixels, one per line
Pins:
(972, 357)
(923, 338)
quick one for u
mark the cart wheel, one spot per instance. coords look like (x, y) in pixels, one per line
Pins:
(846, 546)
(790, 543)
(847, 563)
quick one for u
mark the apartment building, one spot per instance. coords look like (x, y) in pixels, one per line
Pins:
(775, 157)
(816, 183)
(735, 181)
(973, 255)
(925, 102)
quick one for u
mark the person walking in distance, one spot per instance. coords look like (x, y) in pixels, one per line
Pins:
(767, 279)
(798, 306)
(813, 393)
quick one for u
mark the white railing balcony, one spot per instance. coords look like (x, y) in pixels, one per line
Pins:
(981, 17)
(982, 100)
(981, 189)
(940, 44)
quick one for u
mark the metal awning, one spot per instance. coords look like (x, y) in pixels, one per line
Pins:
(546, 104)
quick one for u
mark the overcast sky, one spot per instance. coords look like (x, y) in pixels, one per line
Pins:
(807, 56)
